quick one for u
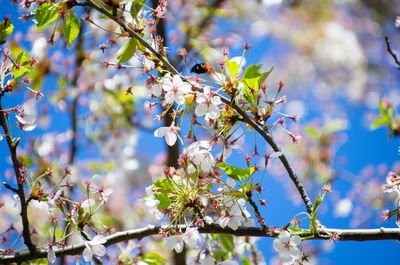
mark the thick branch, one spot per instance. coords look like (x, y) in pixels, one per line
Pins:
(12, 147)
(342, 234)
(168, 66)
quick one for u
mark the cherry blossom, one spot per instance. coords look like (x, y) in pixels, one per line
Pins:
(237, 213)
(207, 104)
(170, 133)
(94, 247)
(191, 237)
(176, 90)
(26, 122)
(200, 153)
(51, 255)
(287, 247)
(205, 159)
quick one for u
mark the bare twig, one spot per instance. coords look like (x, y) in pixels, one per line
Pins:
(390, 51)
(341, 234)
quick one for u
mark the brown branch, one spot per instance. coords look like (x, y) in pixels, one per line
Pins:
(390, 51)
(12, 147)
(342, 235)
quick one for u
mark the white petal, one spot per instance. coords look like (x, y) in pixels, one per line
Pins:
(88, 203)
(201, 110)
(99, 239)
(170, 138)
(87, 254)
(179, 99)
(167, 85)
(170, 242)
(185, 87)
(224, 221)
(29, 127)
(161, 132)
(179, 247)
(51, 256)
(99, 250)
(177, 80)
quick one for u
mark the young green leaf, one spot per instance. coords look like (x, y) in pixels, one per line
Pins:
(153, 259)
(235, 172)
(136, 6)
(161, 190)
(21, 66)
(127, 50)
(45, 14)
(72, 27)
(227, 242)
(6, 28)
(233, 67)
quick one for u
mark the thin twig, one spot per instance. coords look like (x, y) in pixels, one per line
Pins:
(390, 51)
(12, 147)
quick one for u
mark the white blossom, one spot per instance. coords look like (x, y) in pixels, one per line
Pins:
(191, 238)
(94, 247)
(207, 104)
(51, 255)
(237, 214)
(170, 133)
(200, 153)
(287, 247)
(205, 159)
(175, 90)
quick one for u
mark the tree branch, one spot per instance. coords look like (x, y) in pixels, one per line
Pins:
(12, 147)
(342, 234)
(265, 134)
(390, 51)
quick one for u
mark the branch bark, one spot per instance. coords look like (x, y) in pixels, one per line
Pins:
(12, 147)
(390, 51)
(138, 234)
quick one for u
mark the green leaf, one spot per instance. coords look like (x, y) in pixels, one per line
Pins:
(253, 78)
(335, 125)
(294, 230)
(153, 259)
(136, 6)
(127, 50)
(233, 67)
(72, 27)
(23, 65)
(379, 122)
(235, 172)
(252, 71)
(246, 261)
(161, 190)
(6, 28)
(313, 217)
(46, 14)
(312, 132)
(227, 242)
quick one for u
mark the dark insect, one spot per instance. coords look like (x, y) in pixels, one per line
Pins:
(200, 68)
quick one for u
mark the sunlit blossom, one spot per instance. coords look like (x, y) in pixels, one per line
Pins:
(287, 247)
(175, 90)
(170, 133)
(94, 247)
(207, 104)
